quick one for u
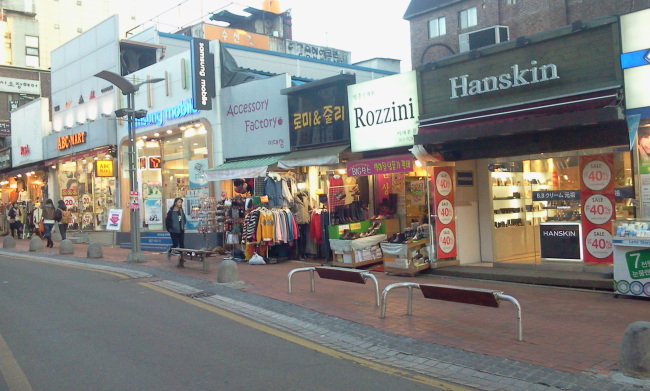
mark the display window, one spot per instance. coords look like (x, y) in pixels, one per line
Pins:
(170, 164)
(537, 209)
(85, 193)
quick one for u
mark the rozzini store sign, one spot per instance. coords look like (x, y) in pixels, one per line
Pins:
(462, 86)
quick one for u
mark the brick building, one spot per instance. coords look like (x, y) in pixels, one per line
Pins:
(440, 28)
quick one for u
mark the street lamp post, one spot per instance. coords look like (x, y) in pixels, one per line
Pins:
(129, 90)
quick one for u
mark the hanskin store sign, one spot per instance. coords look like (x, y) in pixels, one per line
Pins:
(383, 112)
(553, 65)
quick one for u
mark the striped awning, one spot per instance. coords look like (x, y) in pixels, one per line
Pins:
(249, 168)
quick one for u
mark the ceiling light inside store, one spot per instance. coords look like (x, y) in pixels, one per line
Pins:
(418, 163)
(139, 144)
(190, 133)
(179, 139)
(144, 137)
(4, 183)
(156, 134)
(19, 175)
(169, 131)
(341, 171)
(54, 166)
(202, 130)
(13, 186)
(183, 128)
(96, 158)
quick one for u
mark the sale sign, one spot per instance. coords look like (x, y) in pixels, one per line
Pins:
(597, 199)
(443, 198)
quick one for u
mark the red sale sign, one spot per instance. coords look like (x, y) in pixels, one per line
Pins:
(598, 203)
(443, 197)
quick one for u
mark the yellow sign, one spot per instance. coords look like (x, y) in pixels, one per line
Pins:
(104, 168)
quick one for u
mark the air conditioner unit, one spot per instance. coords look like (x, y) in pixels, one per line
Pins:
(484, 37)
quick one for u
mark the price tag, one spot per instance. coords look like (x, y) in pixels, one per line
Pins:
(598, 209)
(445, 211)
(596, 175)
(599, 243)
(446, 240)
(443, 183)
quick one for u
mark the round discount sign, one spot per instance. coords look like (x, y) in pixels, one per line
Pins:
(596, 175)
(86, 220)
(446, 240)
(69, 202)
(445, 212)
(599, 243)
(86, 202)
(443, 183)
(598, 209)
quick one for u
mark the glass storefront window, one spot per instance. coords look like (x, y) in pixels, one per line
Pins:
(529, 193)
(171, 165)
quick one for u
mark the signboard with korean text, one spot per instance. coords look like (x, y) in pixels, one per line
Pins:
(236, 37)
(318, 114)
(389, 165)
(5, 128)
(443, 200)
(597, 199)
(114, 219)
(383, 112)
(21, 86)
(318, 52)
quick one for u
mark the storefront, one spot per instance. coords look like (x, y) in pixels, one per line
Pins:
(538, 138)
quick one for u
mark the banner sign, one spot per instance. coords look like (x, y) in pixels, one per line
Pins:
(443, 198)
(597, 199)
(556, 195)
(114, 219)
(202, 70)
(390, 165)
(560, 240)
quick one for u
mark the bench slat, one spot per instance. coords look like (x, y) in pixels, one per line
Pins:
(341, 274)
(482, 297)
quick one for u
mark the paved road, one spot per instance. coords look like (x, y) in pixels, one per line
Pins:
(68, 328)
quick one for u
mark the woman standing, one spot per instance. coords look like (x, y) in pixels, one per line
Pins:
(175, 222)
(49, 214)
(59, 217)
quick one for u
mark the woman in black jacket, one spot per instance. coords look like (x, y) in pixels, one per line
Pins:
(175, 222)
(49, 214)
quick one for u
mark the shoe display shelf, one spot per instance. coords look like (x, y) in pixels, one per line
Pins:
(357, 252)
(388, 227)
(406, 258)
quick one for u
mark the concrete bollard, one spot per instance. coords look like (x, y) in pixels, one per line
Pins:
(94, 250)
(228, 272)
(9, 242)
(35, 243)
(66, 247)
(635, 350)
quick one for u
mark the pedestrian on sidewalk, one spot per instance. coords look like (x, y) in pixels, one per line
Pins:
(15, 225)
(49, 213)
(175, 223)
(62, 217)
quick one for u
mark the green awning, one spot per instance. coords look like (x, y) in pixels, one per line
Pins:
(312, 157)
(249, 168)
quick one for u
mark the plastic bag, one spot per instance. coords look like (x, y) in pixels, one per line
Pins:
(256, 259)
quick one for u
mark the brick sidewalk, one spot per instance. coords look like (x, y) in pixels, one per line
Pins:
(564, 329)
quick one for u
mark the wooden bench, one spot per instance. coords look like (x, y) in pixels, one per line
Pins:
(476, 296)
(184, 253)
(336, 273)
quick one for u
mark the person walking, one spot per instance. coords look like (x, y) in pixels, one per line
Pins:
(62, 217)
(175, 222)
(49, 214)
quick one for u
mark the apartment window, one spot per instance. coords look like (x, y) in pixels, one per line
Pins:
(31, 51)
(437, 27)
(468, 18)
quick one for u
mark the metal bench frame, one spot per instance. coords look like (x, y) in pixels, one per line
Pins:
(476, 296)
(336, 273)
(191, 253)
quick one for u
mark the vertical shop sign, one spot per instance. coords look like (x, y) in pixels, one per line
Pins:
(443, 198)
(597, 199)
(202, 69)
